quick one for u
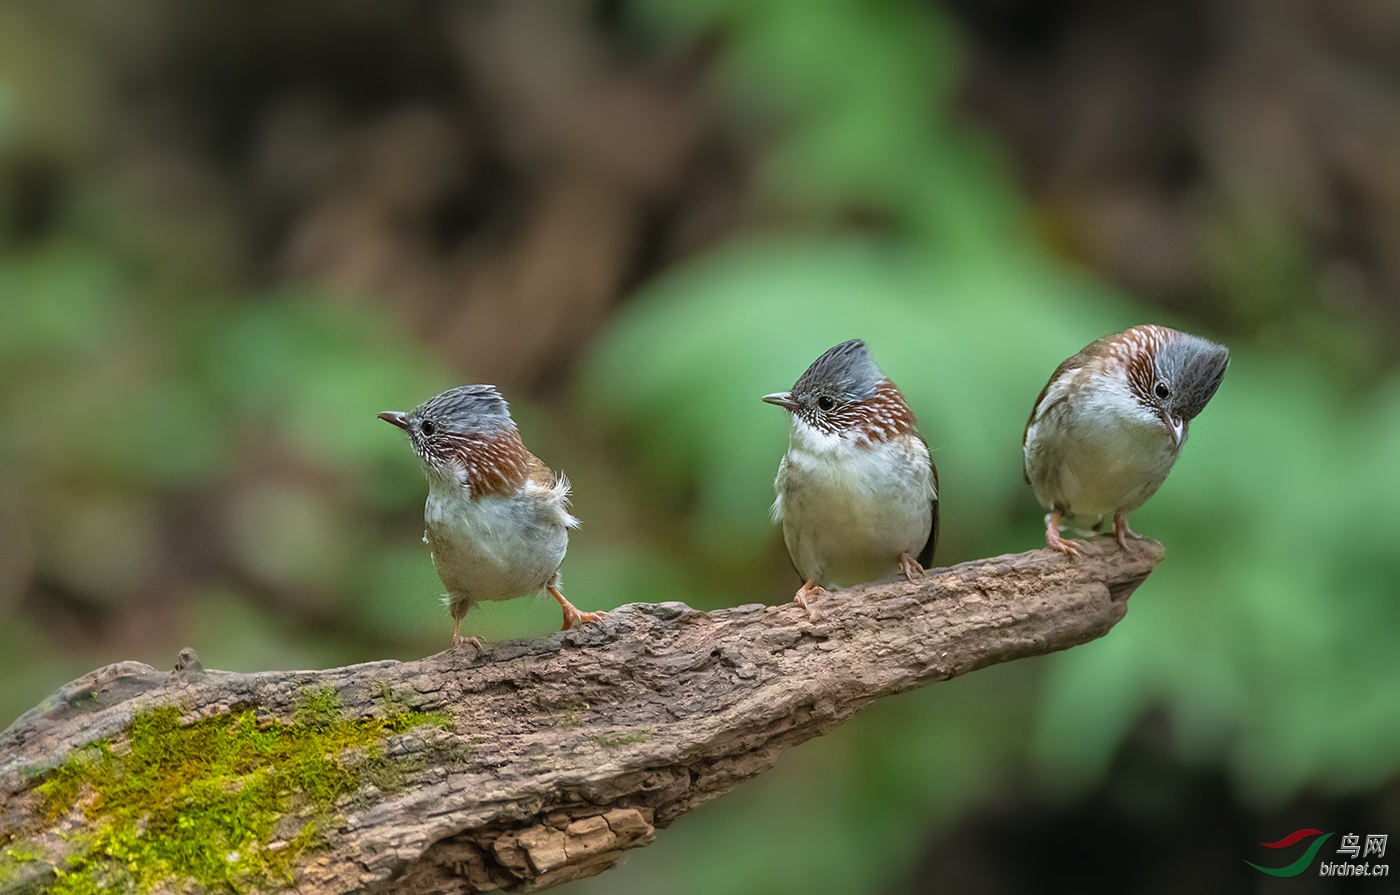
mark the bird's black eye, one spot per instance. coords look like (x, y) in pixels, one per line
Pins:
(825, 403)
(427, 427)
(1163, 392)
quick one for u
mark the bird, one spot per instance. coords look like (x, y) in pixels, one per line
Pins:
(497, 518)
(1110, 423)
(857, 491)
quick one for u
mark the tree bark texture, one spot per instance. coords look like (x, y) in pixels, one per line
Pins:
(579, 746)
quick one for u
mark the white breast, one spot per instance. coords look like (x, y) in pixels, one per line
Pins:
(849, 508)
(1099, 452)
(496, 548)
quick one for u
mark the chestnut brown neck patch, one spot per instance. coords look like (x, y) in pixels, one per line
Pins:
(882, 416)
(495, 464)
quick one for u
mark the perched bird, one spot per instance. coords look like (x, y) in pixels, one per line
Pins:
(497, 518)
(857, 490)
(1110, 423)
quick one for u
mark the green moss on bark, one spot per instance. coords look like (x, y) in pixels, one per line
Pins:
(227, 803)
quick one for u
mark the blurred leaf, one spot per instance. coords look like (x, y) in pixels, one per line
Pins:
(290, 536)
(399, 595)
(861, 93)
(233, 634)
(319, 377)
(56, 305)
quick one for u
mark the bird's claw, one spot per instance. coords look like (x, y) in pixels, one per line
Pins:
(571, 614)
(573, 617)
(1122, 533)
(1059, 544)
(805, 595)
(459, 641)
(910, 567)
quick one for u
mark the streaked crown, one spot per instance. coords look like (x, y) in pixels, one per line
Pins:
(464, 410)
(844, 373)
(469, 426)
(843, 391)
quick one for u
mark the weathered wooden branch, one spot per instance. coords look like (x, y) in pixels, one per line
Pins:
(581, 745)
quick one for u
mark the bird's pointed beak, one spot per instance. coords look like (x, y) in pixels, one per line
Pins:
(1176, 427)
(782, 399)
(397, 417)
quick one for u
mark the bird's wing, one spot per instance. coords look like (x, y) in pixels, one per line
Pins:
(537, 471)
(776, 511)
(926, 554)
(779, 484)
(1094, 349)
(556, 486)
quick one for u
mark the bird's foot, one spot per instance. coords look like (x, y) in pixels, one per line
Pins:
(1121, 531)
(909, 567)
(458, 640)
(806, 594)
(572, 616)
(1055, 541)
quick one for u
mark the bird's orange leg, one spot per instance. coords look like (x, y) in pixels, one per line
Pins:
(806, 593)
(571, 615)
(1055, 542)
(1121, 531)
(910, 567)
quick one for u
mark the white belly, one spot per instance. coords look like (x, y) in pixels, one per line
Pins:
(494, 548)
(1097, 466)
(850, 510)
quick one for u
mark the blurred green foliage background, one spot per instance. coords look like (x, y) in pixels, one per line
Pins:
(232, 233)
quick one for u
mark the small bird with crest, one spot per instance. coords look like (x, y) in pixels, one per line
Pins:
(857, 489)
(497, 518)
(1110, 423)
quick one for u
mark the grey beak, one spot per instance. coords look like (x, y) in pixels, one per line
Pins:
(782, 399)
(396, 417)
(1177, 428)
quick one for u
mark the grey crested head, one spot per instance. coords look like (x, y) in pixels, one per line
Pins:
(845, 372)
(842, 376)
(465, 412)
(1190, 368)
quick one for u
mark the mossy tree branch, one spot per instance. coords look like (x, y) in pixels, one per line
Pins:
(528, 765)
